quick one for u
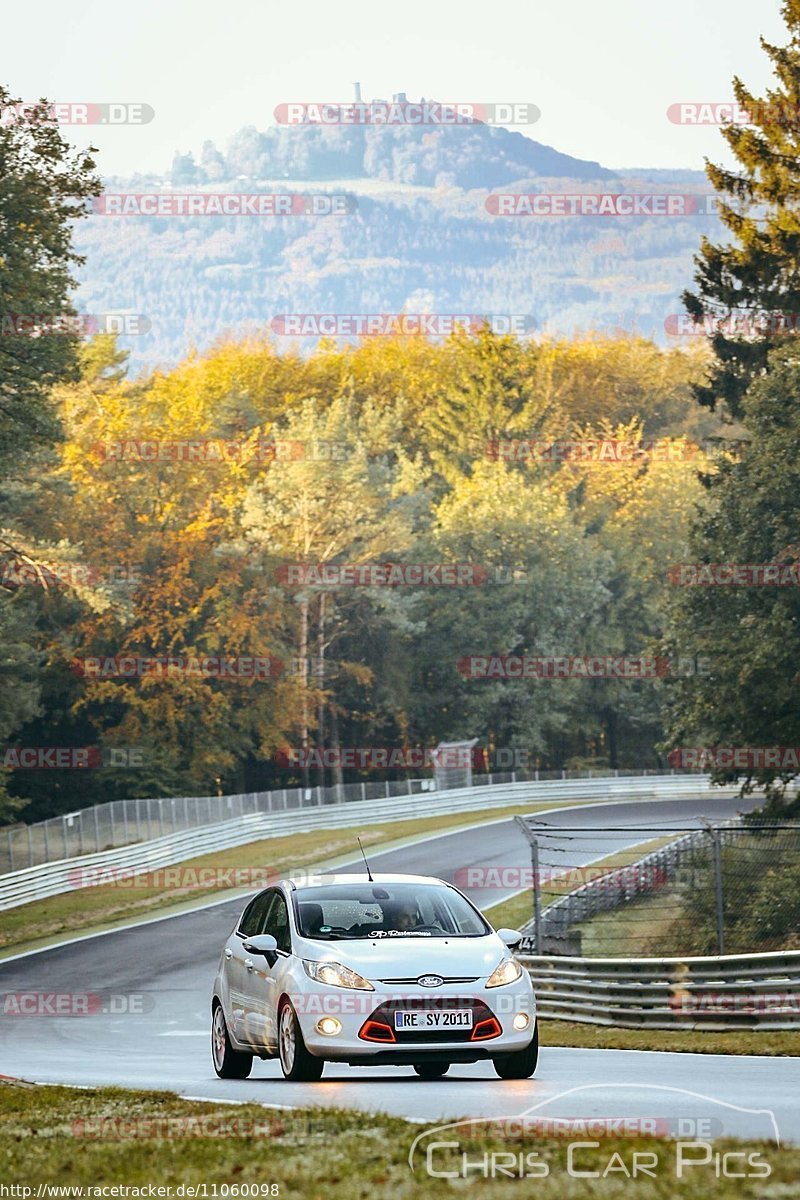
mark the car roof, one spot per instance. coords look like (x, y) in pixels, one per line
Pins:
(362, 879)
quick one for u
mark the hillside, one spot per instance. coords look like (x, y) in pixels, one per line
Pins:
(419, 239)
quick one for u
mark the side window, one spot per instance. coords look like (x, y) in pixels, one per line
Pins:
(277, 923)
(252, 921)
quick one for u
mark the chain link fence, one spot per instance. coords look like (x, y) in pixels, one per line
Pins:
(731, 888)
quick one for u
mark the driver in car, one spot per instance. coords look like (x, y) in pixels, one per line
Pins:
(400, 915)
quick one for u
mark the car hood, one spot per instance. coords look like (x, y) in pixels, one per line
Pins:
(407, 958)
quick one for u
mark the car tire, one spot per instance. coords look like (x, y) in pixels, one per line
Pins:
(431, 1070)
(228, 1063)
(296, 1063)
(522, 1063)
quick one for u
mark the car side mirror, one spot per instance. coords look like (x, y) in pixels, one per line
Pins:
(262, 943)
(511, 937)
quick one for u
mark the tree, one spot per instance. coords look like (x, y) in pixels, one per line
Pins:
(758, 273)
(45, 185)
(351, 508)
(750, 634)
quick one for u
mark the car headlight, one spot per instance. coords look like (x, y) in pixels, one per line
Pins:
(506, 971)
(337, 974)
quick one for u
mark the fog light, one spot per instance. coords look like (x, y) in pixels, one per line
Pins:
(521, 1021)
(329, 1026)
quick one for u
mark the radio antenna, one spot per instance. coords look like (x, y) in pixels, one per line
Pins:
(363, 855)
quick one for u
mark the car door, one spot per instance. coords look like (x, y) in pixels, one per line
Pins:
(265, 977)
(238, 964)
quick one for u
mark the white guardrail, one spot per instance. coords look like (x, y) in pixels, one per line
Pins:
(64, 875)
(733, 991)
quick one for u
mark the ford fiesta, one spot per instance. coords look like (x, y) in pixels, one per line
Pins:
(395, 970)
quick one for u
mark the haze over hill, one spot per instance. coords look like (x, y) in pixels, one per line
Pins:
(419, 238)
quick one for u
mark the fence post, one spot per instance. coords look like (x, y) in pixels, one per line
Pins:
(718, 890)
(96, 828)
(537, 899)
(30, 847)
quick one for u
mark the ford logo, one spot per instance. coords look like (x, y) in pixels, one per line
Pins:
(430, 980)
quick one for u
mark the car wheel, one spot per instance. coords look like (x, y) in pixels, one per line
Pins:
(228, 1063)
(296, 1062)
(522, 1063)
(431, 1070)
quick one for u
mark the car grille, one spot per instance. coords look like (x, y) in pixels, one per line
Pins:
(414, 979)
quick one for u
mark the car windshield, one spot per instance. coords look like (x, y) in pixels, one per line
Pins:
(385, 910)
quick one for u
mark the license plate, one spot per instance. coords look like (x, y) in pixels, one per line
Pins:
(435, 1019)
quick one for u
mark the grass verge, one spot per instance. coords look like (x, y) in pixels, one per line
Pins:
(93, 1139)
(773, 1042)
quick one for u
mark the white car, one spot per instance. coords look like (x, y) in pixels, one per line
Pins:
(398, 970)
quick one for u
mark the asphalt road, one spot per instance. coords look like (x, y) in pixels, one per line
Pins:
(149, 1024)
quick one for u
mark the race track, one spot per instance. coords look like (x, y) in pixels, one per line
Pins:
(157, 978)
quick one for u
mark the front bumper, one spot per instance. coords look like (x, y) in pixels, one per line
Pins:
(366, 1017)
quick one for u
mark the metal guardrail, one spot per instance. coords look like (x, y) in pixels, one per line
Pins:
(735, 991)
(54, 878)
(123, 822)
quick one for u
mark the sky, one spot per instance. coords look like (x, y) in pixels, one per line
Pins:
(603, 75)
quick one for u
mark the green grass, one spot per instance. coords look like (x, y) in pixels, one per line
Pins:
(633, 928)
(85, 910)
(326, 1154)
(773, 1042)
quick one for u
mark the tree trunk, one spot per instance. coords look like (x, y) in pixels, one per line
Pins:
(319, 682)
(610, 722)
(337, 766)
(304, 678)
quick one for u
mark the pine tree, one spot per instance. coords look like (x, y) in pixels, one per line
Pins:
(759, 273)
